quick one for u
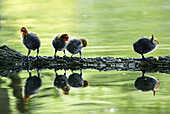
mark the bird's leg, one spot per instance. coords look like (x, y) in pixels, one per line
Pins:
(37, 53)
(80, 55)
(143, 73)
(72, 70)
(29, 51)
(80, 72)
(55, 53)
(38, 73)
(71, 58)
(143, 57)
(29, 72)
(65, 72)
(55, 72)
(64, 53)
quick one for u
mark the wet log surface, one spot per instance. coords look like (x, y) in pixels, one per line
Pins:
(12, 61)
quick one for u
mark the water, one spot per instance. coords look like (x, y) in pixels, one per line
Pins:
(111, 27)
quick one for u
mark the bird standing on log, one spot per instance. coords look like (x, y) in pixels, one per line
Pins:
(59, 43)
(145, 45)
(30, 40)
(75, 46)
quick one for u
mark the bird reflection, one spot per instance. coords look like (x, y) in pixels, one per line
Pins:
(147, 83)
(76, 80)
(60, 82)
(33, 83)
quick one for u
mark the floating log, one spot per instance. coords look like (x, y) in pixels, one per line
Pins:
(12, 60)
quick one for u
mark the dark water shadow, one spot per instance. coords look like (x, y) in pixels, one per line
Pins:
(4, 98)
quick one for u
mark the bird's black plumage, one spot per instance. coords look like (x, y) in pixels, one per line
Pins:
(30, 40)
(33, 83)
(74, 46)
(75, 80)
(60, 81)
(59, 43)
(145, 45)
(146, 83)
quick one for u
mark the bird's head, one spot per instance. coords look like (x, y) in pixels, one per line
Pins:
(154, 39)
(26, 98)
(85, 83)
(64, 37)
(66, 89)
(84, 42)
(156, 88)
(24, 31)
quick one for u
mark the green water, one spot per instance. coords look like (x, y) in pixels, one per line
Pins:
(111, 27)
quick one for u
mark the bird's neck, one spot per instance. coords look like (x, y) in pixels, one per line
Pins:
(24, 34)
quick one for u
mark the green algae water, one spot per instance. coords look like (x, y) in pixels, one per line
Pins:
(111, 27)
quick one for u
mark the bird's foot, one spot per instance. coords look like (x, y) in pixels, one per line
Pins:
(72, 70)
(55, 57)
(146, 58)
(81, 60)
(70, 59)
(36, 58)
(26, 59)
(64, 56)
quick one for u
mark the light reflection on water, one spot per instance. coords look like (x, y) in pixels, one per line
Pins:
(110, 27)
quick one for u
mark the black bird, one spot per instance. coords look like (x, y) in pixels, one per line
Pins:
(59, 43)
(33, 83)
(76, 80)
(30, 40)
(147, 83)
(145, 45)
(75, 46)
(60, 82)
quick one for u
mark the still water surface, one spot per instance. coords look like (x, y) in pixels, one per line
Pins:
(110, 27)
